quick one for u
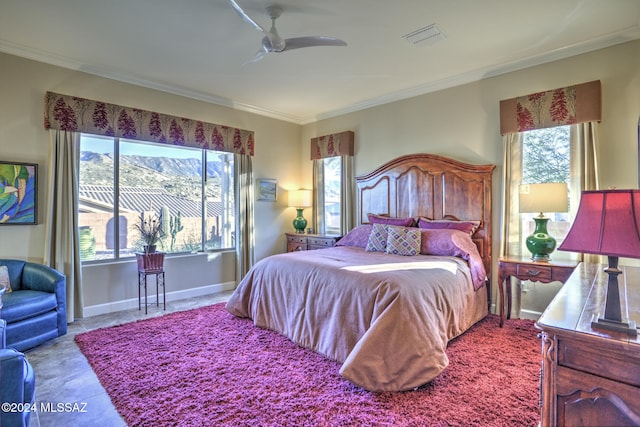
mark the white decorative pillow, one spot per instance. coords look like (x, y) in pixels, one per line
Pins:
(378, 238)
(4, 278)
(403, 240)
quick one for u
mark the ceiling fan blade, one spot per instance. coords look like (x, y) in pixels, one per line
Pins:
(258, 56)
(310, 41)
(246, 17)
(272, 40)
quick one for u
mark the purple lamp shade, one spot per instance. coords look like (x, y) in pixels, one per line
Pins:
(607, 223)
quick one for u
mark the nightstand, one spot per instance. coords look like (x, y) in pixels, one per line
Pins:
(307, 242)
(525, 269)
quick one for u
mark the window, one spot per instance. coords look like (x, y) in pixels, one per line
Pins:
(189, 190)
(332, 169)
(546, 157)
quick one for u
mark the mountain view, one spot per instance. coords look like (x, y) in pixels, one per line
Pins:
(179, 177)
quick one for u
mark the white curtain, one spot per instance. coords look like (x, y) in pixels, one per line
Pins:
(584, 170)
(347, 195)
(584, 162)
(318, 197)
(245, 243)
(511, 179)
(61, 250)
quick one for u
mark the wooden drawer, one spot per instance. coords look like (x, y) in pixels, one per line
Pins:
(588, 400)
(297, 239)
(587, 357)
(320, 242)
(533, 272)
(295, 247)
(305, 242)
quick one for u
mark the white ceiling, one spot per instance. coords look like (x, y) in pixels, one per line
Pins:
(198, 48)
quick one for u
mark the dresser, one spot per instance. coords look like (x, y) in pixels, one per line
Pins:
(589, 377)
(307, 242)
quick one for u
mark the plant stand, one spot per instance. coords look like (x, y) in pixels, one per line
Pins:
(151, 264)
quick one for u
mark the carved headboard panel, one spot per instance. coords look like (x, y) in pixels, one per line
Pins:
(431, 186)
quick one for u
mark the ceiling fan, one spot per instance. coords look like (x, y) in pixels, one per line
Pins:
(273, 42)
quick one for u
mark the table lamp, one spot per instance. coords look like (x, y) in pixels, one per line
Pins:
(608, 223)
(547, 197)
(300, 199)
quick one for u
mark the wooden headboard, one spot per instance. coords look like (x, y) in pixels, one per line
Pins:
(434, 187)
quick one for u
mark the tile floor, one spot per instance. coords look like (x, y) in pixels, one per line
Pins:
(64, 377)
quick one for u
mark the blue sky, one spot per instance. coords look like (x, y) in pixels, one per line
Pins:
(104, 145)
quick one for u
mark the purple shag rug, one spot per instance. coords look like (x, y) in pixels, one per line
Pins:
(205, 367)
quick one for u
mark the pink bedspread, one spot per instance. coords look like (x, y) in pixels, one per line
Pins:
(386, 318)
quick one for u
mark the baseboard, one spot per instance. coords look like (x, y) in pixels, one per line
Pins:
(524, 313)
(530, 314)
(112, 307)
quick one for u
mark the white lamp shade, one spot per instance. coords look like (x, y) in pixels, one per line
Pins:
(300, 198)
(547, 197)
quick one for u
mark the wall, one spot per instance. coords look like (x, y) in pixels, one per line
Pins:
(109, 287)
(463, 122)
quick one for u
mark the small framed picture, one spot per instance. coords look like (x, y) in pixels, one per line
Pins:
(268, 190)
(18, 193)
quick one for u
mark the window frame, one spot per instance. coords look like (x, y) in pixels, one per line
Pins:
(204, 158)
(326, 228)
(526, 219)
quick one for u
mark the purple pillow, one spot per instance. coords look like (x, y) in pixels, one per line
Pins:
(381, 219)
(358, 236)
(466, 226)
(458, 243)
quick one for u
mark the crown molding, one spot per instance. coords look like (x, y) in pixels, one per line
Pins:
(64, 62)
(629, 34)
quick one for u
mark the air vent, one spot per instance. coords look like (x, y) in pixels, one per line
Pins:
(425, 36)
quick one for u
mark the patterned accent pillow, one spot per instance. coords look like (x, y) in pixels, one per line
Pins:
(378, 238)
(358, 237)
(381, 219)
(403, 241)
(433, 224)
(4, 278)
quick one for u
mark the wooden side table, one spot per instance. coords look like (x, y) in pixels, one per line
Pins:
(306, 242)
(525, 269)
(151, 264)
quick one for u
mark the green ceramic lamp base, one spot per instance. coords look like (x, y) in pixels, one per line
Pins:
(540, 244)
(299, 223)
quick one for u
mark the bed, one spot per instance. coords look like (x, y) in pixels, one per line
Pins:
(387, 318)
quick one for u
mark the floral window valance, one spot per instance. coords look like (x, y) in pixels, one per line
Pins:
(557, 107)
(71, 113)
(336, 144)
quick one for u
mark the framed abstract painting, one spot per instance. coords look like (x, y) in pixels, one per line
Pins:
(268, 190)
(18, 193)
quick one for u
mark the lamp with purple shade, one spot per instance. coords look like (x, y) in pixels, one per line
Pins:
(608, 223)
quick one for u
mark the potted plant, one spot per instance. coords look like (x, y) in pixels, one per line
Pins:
(150, 228)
